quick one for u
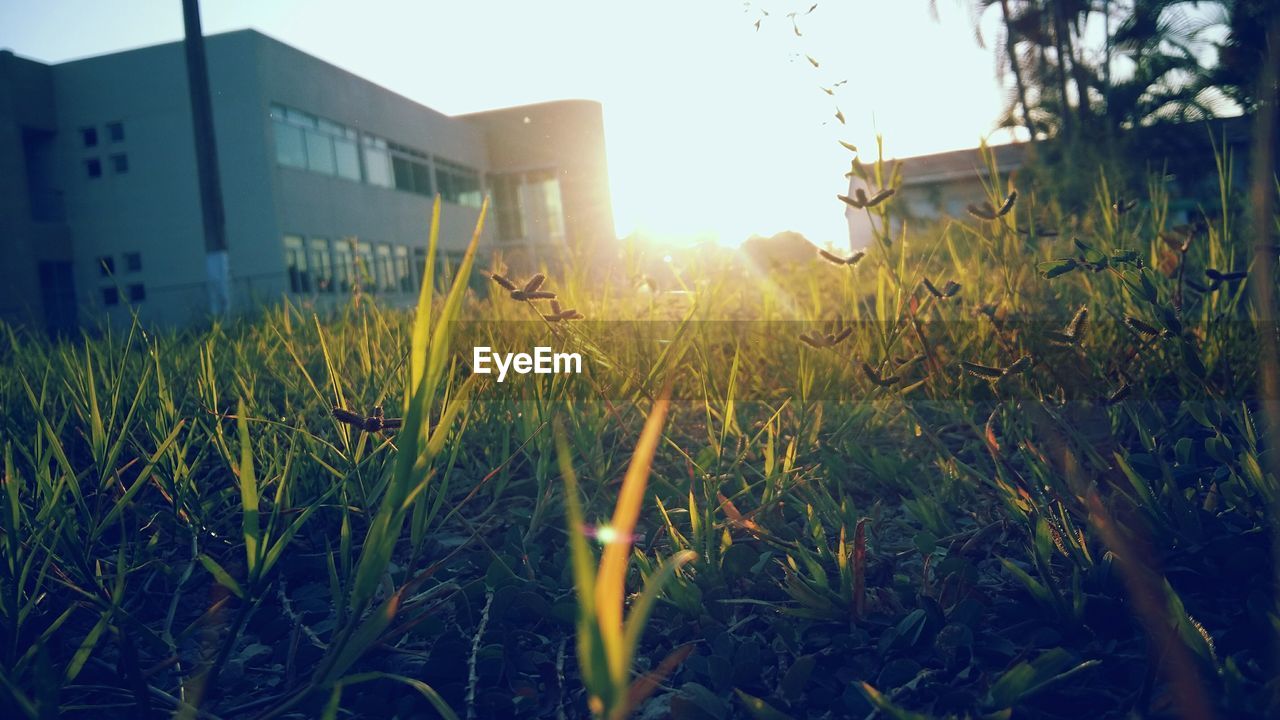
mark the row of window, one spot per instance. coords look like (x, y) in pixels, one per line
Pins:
(313, 143)
(89, 134)
(316, 265)
(119, 165)
(107, 264)
(137, 292)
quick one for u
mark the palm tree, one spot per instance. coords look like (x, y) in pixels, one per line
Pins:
(1243, 53)
(1165, 43)
(1061, 85)
(1008, 58)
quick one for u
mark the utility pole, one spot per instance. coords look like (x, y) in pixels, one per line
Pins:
(217, 266)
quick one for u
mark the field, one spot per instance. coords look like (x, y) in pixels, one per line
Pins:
(1004, 467)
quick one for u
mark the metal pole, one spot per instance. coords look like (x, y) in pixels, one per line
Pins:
(217, 267)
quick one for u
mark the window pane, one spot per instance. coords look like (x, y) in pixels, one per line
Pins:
(555, 212)
(321, 264)
(348, 159)
(377, 166)
(386, 271)
(404, 278)
(471, 198)
(296, 264)
(320, 153)
(290, 148)
(89, 136)
(137, 292)
(115, 131)
(364, 264)
(403, 173)
(506, 199)
(422, 179)
(297, 117)
(458, 183)
(445, 178)
(343, 270)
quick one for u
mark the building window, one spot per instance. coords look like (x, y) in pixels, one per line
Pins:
(458, 183)
(364, 265)
(343, 268)
(110, 296)
(295, 260)
(386, 268)
(321, 264)
(411, 170)
(120, 164)
(404, 277)
(106, 266)
(529, 207)
(377, 161)
(291, 149)
(133, 261)
(320, 153)
(93, 167)
(115, 132)
(137, 292)
(346, 153)
(547, 189)
(314, 143)
(506, 200)
(89, 136)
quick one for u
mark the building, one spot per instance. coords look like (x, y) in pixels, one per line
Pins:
(327, 181)
(942, 185)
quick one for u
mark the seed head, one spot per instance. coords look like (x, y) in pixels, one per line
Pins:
(1079, 324)
(535, 282)
(1007, 205)
(1019, 366)
(838, 260)
(986, 372)
(876, 378)
(503, 281)
(813, 339)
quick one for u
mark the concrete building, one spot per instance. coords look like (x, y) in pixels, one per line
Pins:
(327, 180)
(942, 185)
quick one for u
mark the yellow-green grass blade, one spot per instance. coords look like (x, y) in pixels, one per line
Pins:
(592, 658)
(612, 577)
(433, 697)
(439, 350)
(221, 575)
(138, 483)
(386, 525)
(422, 319)
(248, 493)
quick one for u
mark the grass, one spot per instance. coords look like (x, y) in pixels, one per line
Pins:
(1004, 466)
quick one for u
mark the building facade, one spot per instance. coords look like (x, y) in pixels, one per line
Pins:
(327, 182)
(940, 186)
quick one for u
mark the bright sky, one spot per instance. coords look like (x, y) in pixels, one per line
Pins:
(712, 128)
